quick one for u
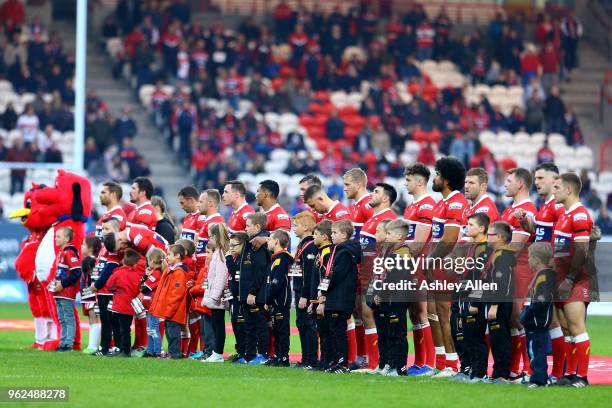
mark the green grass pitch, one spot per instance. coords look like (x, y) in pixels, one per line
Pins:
(105, 382)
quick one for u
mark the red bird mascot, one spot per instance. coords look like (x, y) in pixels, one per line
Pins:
(66, 204)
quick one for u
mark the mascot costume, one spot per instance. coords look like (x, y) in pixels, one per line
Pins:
(66, 204)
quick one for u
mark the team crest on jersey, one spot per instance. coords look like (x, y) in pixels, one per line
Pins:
(276, 263)
(118, 217)
(283, 217)
(244, 216)
(482, 210)
(426, 207)
(145, 211)
(152, 278)
(455, 206)
(341, 213)
(580, 216)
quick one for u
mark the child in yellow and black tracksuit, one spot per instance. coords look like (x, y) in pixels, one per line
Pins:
(338, 291)
(322, 239)
(278, 296)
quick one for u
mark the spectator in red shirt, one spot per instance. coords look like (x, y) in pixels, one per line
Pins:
(426, 155)
(530, 64)
(18, 153)
(12, 10)
(282, 21)
(549, 58)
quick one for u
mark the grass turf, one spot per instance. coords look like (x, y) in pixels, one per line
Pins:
(163, 383)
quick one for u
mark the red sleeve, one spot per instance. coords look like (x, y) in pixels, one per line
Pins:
(281, 221)
(454, 214)
(582, 225)
(425, 213)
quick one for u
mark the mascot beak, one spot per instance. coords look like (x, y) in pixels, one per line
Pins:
(21, 213)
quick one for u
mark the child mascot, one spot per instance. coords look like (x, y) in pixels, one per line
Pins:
(66, 204)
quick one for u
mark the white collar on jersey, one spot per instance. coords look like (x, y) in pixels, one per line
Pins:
(272, 208)
(114, 208)
(213, 215)
(143, 204)
(527, 200)
(382, 211)
(416, 200)
(335, 203)
(448, 197)
(241, 207)
(573, 207)
(363, 197)
(485, 195)
(549, 199)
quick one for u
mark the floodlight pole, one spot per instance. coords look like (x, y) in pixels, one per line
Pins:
(79, 85)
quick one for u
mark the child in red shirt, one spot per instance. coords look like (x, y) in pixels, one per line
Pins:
(190, 334)
(124, 284)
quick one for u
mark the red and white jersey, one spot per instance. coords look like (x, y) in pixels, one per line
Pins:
(574, 224)
(142, 239)
(215, 218)
(104, 258)
(448, 212)
(360, 212)
(189, 228)
(337, 212)
(545, 219)
(144, 215)
(115, 212)
(277, 219)
(237, 221)
(318, 217)
(367, 238)
(68, 264)
(419, 212)
(508, 215)
(483, 205)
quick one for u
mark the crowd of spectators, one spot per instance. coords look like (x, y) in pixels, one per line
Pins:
(285, 64)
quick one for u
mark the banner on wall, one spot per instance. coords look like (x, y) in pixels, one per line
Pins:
(11, 236)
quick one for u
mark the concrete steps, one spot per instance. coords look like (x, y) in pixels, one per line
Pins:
(166, 172)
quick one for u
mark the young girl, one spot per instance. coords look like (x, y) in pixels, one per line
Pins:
(196, 292)
(157, 264)
(216, 283)
(89, 249)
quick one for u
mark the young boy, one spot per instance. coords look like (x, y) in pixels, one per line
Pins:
(394, 302)
(378, 310)
(66, 285)
(338, 292)
(499, 301)
(254, 268)
(278, 296)
(124, 284)
(304, 273)
(233, 260)
(475, 354)
(156, 266)
(322, 239)
(170, 300)
(537, 314)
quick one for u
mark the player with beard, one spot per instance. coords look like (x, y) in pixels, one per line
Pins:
(382, 198)
(140, 195)
(234, 194)
(448, 220)
(518, 183)
(476, 183)
(355, 182)
(307, 181)
(110, 197)
(188, 200)
(419, 215)
(208, 206)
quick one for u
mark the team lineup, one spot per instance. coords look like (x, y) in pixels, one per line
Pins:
(472, 282)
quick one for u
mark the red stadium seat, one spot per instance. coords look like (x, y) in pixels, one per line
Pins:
(306, 120)
(322, 96)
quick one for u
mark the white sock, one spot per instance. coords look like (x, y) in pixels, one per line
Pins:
(40, 330)
(94, 335)
(52, 330)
